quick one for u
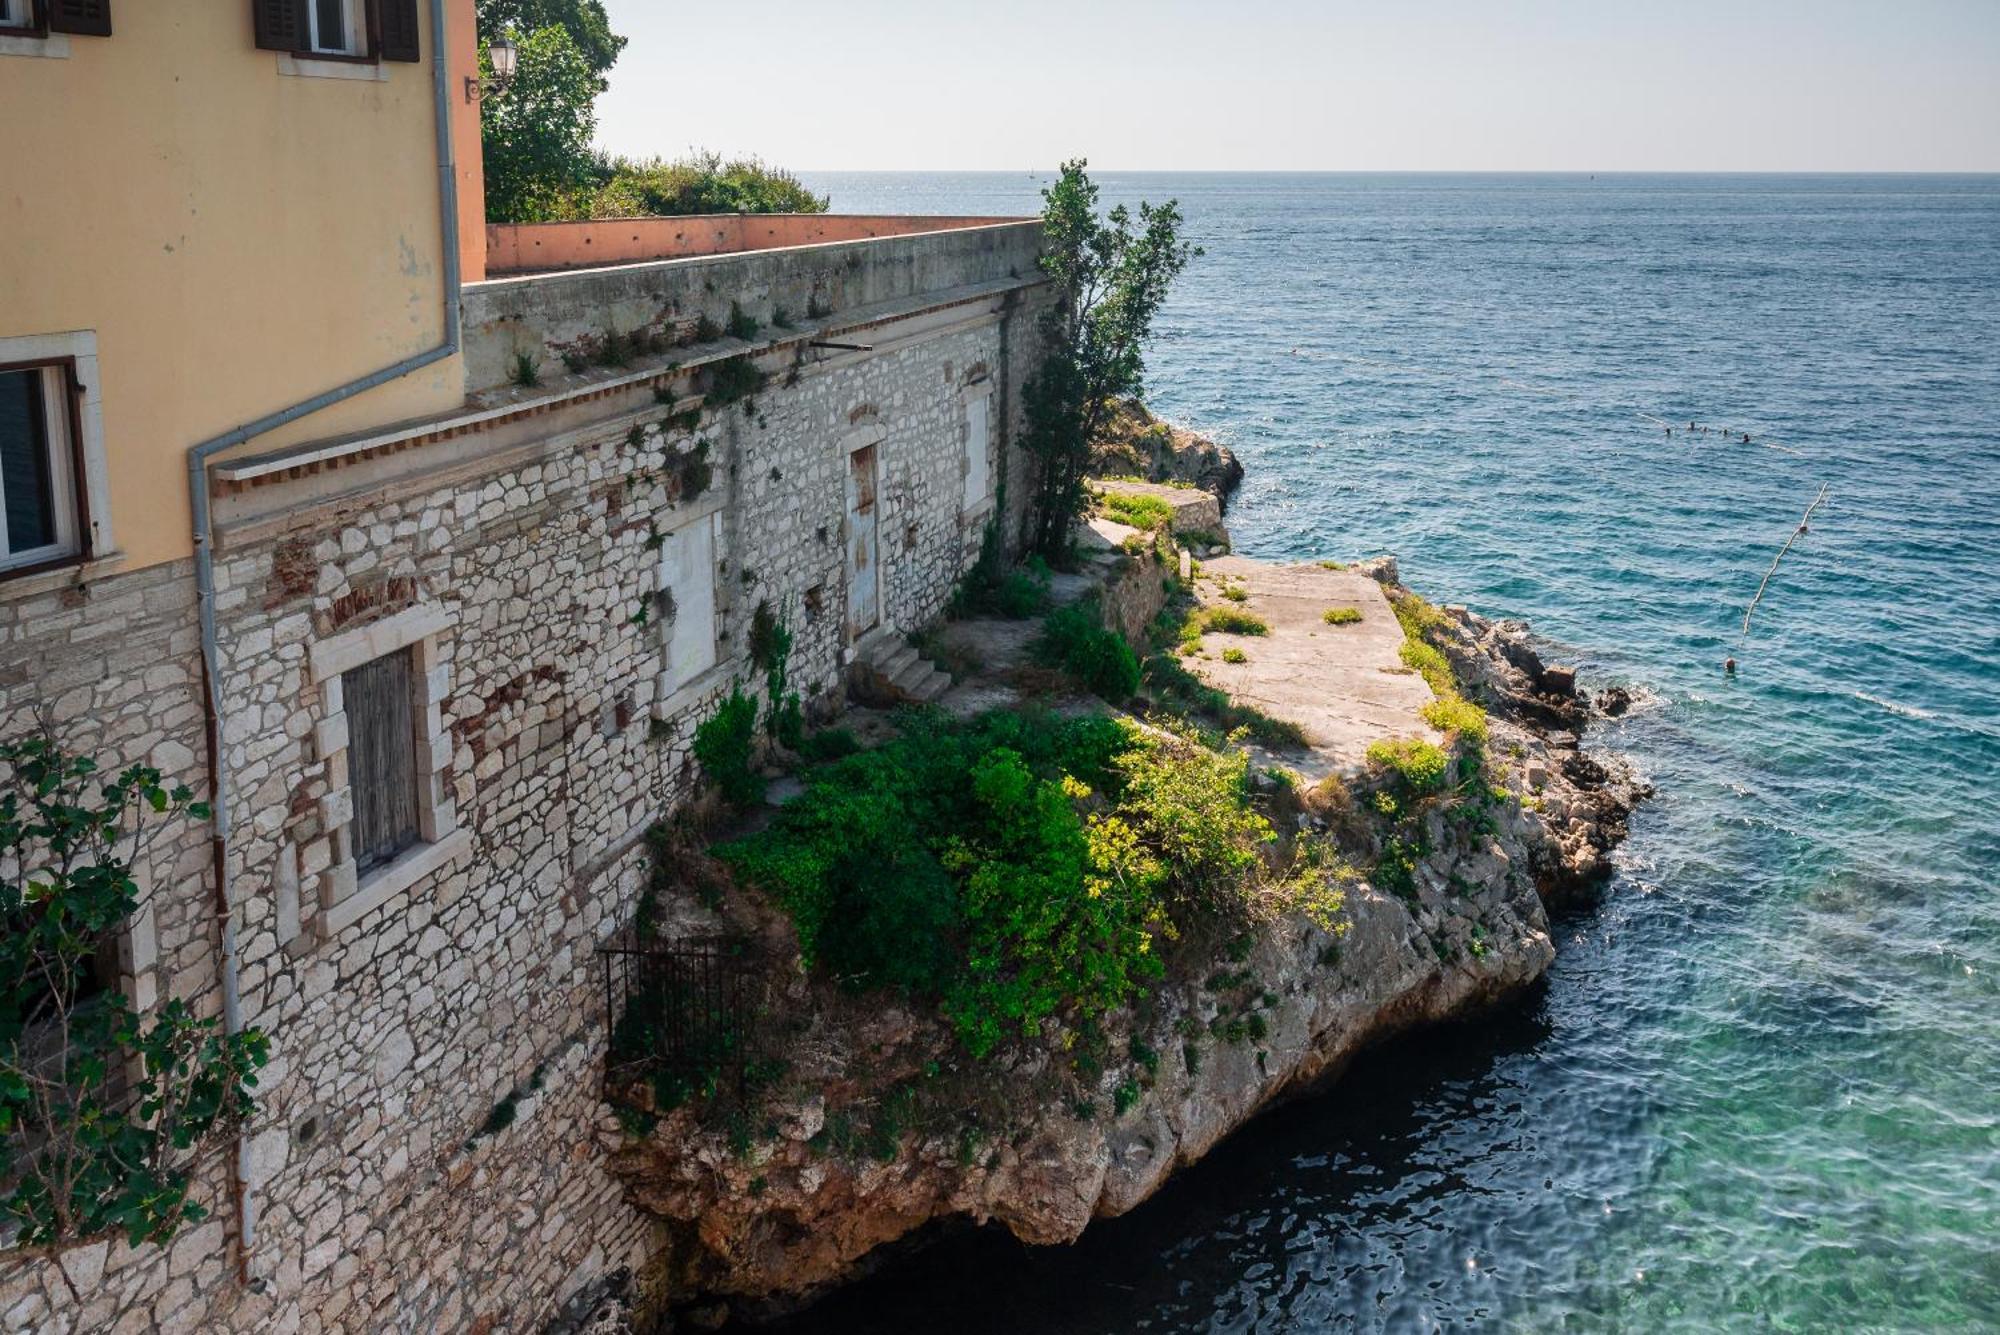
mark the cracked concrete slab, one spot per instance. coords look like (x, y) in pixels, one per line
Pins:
(1346, 686)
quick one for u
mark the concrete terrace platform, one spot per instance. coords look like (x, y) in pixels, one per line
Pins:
(1346, 686)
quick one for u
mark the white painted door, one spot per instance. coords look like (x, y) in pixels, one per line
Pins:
(687, 573)
(978, 474)
(863, 579)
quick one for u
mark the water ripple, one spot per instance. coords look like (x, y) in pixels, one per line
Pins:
(1758, 1089)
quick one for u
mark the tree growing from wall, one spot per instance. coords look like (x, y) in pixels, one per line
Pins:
(1111, 274)
(105, 1114)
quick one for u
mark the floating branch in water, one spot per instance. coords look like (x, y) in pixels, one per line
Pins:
(1804, 520)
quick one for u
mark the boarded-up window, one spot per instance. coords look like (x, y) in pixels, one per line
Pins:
(381, 758)
(978, 474)
(687, 577)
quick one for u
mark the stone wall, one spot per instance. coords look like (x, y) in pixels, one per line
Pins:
(430, 1150)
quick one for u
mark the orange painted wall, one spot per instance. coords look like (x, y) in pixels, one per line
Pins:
(539, 247)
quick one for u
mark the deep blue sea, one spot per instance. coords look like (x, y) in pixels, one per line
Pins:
(1761, 1087)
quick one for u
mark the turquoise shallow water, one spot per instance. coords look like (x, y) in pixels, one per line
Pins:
(1761, 1088)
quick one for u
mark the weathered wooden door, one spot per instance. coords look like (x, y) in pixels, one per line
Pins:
(382, 766)
(863, 579)
(687, 575)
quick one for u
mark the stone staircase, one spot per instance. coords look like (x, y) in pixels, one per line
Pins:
(887, 671)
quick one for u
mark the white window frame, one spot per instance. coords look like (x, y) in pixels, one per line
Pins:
(345, 895)
(17, 16)
(353, 36)
(89, 494)
(59, 448)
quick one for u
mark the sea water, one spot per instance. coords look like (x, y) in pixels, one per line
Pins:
(1760, 1088)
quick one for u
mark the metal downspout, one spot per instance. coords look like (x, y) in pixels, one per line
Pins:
(204, 579)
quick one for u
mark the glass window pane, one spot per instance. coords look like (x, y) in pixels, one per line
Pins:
(25, 481)
(331, 24)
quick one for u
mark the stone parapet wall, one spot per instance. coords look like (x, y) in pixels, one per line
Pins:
(829, 285)
(429, 1155)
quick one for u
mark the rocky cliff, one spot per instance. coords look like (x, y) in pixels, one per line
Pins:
(898, 1132)
(1137, 444)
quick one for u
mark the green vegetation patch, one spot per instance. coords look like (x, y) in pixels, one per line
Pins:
(1231, 621)
(1136, 511)
(1234, 655)
(724, 743)
(1419, 766)
(1340, 616)
(1017, 869)
(1074, 640)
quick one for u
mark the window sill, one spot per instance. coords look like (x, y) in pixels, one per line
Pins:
(55, 46)
(68, 574)
(332, 67)
(385, 883)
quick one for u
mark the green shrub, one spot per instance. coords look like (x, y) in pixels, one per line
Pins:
(1340, 616)
(733, 380)
(1418, 765)
(1429, 664)
(1234, 655)
(1147, 512)
(1236, 593)
(1190, 808)
(1072, 640)
(1457, 716)
(741, 323)
(1232, 621)
(828, 744)
(702, 182)
(106, 1112)
(992, 588)
(1016, 869)
(723, 744)
(1047, 932)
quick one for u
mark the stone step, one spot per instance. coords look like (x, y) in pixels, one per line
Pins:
(888, 670)
(910, 676)
(933, 686)
(893, 663)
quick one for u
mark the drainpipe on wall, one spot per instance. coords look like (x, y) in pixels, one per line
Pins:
(204, 578)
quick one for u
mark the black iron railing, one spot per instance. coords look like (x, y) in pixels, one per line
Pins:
(682, 1017)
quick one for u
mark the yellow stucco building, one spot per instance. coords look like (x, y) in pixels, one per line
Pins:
(205, 232)
(471, 557)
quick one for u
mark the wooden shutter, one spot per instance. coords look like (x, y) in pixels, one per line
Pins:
(87, 18)
(381, 758)
(396, 22)
(280, 24)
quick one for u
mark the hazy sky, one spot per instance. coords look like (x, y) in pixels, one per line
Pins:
(1890, 85)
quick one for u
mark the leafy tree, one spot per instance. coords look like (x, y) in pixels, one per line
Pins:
(1111, 275)
(588, 26)
(536, 136)
(104, 1113)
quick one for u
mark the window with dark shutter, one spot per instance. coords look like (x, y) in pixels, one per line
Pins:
(41, 521)
(86, 18)
(381, 758)
(280, 24)
(397, 21)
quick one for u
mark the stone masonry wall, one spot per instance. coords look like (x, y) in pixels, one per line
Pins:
(429, 1155)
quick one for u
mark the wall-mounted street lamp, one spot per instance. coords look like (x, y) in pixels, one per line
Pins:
(505, 57)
